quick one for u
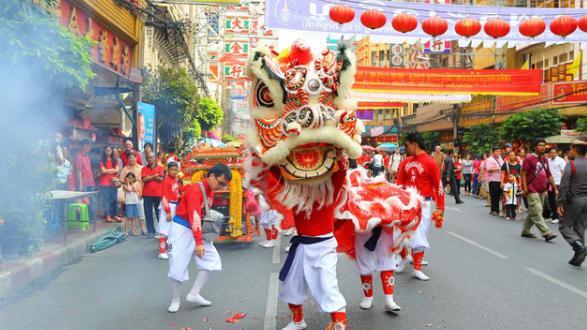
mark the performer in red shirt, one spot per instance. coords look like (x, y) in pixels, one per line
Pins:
(420, 171)
(169, 201)
(185, 238)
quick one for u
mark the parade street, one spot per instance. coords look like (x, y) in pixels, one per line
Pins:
(483, 275)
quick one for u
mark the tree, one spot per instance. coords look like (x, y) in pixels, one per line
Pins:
(209, 113)
(174, 94)
(431, 139)
(582, 124)
(481, 138)
(529, 125)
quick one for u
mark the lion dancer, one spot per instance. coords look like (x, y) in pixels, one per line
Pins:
(268, 219)
(420, 171)
(169, 201)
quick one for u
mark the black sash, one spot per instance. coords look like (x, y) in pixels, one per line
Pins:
(295, 241)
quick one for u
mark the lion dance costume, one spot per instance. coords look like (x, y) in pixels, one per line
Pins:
(304, 127)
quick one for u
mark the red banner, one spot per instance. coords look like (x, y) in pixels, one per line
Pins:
(569, 92)
(449, 81)
(510, 103)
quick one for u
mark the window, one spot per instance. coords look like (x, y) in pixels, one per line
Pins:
(555, 60)
(388, 114)
(373, 58)
(562, 58)
(546, 64)
(539, 65)
(533, 66)
(571, 55)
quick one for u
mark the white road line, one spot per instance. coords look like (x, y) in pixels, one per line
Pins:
(456, 209)
(270, 322)
(557, 282)
(482, 247)
(277, 251)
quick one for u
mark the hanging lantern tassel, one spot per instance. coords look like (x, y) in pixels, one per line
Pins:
(404, 23)
(468, 27)
(532, 27)
(563, 25)
(434, 26)
(373, 19)
(496, 28)
(341, 14)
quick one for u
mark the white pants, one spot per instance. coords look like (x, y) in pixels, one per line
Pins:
(420, 242)
(378, 260)
(314, 269)
(141, 205)
(181, 246)
(164, 225)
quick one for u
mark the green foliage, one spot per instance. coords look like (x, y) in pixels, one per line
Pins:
(481, 138)
(228, 138)
(174, 94)
(34, 39)
(209, 113)
(431, 139)
(582, 124)
(529, 125)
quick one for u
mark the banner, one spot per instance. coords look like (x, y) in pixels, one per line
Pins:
(448, 81)
(569, 92)
(511, 103)
(146, 123)
(312, 16)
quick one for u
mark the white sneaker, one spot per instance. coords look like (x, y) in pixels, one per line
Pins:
(417, 274)
(296, 326)
(197, 299)
(163, 256)
(424, 262)
(287, 248)
(174, 307)
(289, 232)
(390, 305)
(366, 303)
(263, 243)
(402, 264)
(554, 221)
(270, 244)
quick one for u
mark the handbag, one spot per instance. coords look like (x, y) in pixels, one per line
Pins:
(212, 220)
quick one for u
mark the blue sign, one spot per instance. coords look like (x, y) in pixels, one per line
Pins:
(146, 124)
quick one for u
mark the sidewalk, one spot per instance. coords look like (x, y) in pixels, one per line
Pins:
(18, 273)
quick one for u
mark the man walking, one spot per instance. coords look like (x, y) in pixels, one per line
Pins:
(377, 164)
(152, 176)
(535, 178)
(493, 166)
(573, 201)
(450, 176)
(557, 166)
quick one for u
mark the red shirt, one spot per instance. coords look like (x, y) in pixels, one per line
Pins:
(84, 166)
(125, 159)
(422, 172)
(459, 170)
(321, 221)
(191, 206)
(152, 188)
(105, 180)
(169, 192)
(537, 173)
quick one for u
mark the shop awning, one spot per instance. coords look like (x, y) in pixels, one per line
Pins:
(409, 98)
(560, 139)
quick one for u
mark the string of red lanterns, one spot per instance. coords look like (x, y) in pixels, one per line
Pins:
(467, 27)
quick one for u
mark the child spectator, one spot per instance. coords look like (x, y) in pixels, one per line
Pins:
(510, 194)
(132, 195)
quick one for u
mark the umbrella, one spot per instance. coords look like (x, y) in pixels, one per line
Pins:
(213, 143)
(367, 148)
(560, 139)
(388, 146)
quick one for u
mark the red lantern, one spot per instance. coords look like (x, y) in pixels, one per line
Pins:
(341, 14)
(373, 19)
(532, 27)
(563, 25)
(582, 23)
(404, 23)
(496, 28)
(435, 26)
(468, 27)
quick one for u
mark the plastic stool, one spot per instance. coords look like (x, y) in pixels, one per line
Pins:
(78, 216)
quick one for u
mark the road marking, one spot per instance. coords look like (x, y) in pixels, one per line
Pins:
(482, 247)
(456, 209)
(557, 282)
(277, 251)
(270, 322)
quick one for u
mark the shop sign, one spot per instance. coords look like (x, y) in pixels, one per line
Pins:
(110, 50)
(237, 25)
(569, 92)
(387, 138)
(437, 47)
(236, 47)
(510, 103)
(449, 81)
(365, 114)
(234, 71)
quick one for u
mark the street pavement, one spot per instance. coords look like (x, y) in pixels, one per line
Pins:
(483, 275)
